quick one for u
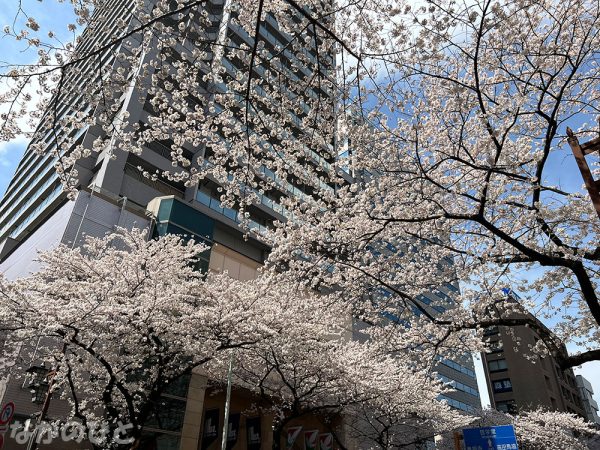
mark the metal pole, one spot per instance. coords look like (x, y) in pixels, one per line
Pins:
(227, 404)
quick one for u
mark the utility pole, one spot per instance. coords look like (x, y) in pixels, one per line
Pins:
(227, 404)
(580, 151)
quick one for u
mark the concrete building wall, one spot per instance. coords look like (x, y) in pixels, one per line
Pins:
(586, 393)
(460, 374)
(23, 260)
(96, 214)
(519, 381)
(199, 400)
(91, 214)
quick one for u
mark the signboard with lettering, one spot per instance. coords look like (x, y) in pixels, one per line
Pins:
(292, 434)
(311, 440)
(326, 441)
(253, 433)
(490, 438)
(210, 431)
(7, 413)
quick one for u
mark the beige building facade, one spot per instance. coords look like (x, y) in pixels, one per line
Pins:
(518, 380)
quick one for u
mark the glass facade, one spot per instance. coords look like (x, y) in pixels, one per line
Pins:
(457, 404)
(175, 217)
(35, 191)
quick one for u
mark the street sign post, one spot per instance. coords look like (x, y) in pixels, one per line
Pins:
(490, 438)
(6, 415)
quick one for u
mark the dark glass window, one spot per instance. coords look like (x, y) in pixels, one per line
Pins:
(497, 365)
(506, 406)
(37, 382)
(167, 415)
(490, 330)
(502, 385)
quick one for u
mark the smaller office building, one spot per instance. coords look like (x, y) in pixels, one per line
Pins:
(587, 399)
(518, 380)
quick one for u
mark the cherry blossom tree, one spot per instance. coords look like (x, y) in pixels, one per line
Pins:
(452, 142)
(132, 315)
(407, 147)
(453, 116)
(122, 319)
(314, 369)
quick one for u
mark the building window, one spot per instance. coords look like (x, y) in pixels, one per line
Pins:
(497, 365)
(489, 331)
(457, 367)
(460, 386)
(37, 382)
(506, 406)
(167, 414)
(502, 385)
(457, 404)
(423, 299)
(450, 287)
(496, 346)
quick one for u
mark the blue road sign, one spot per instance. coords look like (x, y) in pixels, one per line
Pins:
(490, 438)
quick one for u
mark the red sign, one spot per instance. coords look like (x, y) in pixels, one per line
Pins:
(7, 413)
(311, 440)
(326, 441)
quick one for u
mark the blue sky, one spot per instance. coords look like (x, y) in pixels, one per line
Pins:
(10, 154)
(50, 15)
(56, 16)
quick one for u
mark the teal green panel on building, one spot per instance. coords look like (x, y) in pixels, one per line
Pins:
(176, 217)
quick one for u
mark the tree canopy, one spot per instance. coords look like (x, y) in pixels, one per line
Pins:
(408, 149)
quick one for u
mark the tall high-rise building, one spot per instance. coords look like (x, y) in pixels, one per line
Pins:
(459, 371)
(112, 190)
(35, 194)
